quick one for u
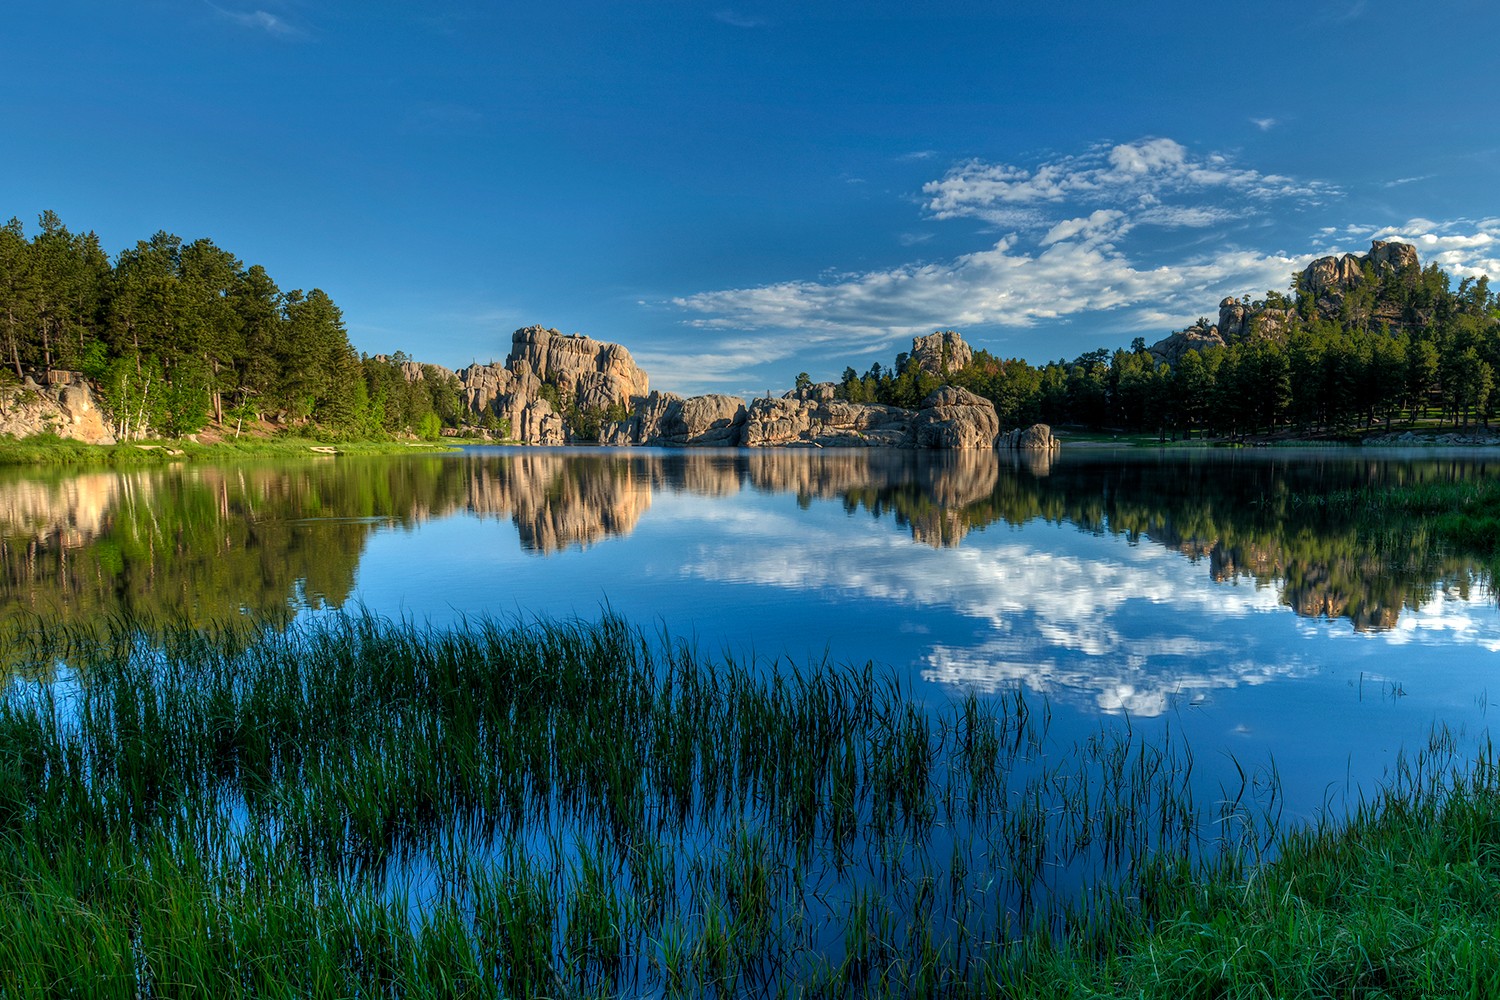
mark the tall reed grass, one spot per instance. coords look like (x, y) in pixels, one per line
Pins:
(361, 807)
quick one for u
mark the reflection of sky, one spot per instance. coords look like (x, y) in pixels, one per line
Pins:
(1089, 620)
(1080, 616)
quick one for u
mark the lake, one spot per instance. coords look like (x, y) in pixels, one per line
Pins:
(1198, 591)
(941, 705)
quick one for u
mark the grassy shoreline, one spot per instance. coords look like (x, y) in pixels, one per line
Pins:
(362, 807)
(47, 450)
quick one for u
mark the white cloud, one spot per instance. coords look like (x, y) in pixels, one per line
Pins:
(1066, 251)
(1140, 173)
(261, 20)
(1073, 270)
(1264, 124)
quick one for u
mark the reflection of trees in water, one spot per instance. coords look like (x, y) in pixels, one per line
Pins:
(213, 544)
(1242, 517)
(202, 544)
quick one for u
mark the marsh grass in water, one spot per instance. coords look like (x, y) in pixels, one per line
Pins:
(359, 807)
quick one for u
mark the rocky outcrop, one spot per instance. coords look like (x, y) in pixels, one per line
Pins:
(1036, 438)
(595, 376)
(1329, 280)
(1239, 319)
(955, 419)
(940, 353)
(65, 406)
(1197, 337)
(597, 373)
(813, 417)
(663, 419)
(592, 375)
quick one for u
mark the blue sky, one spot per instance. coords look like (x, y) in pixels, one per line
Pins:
(739, 192)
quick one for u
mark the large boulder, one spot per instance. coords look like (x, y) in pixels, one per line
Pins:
(1037, 438)
(955, 419)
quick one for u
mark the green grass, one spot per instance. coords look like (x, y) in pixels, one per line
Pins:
(48, 449)
(368, 808)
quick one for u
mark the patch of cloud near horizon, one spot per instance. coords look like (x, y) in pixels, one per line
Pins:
(1064, 251)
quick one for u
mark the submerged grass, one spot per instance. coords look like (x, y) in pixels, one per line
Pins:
(368, 808)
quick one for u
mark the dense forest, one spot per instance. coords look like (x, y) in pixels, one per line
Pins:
(177, 335)
(1397, 347)
(174, 335)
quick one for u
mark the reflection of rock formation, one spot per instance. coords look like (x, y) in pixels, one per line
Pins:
(212, 541)
(557, 501)
(67, 512)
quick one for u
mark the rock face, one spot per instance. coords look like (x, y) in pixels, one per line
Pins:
(955, 419)
(663, 419)
(591, 374)
(65, 406)
(1198, 338)
(1239, 320)
(812, 417)
(1037, 437)
(940, 353)
(1329, 280)
(596, 372)
(594, 376)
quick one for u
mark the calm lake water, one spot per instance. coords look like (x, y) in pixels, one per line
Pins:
(1199, 591)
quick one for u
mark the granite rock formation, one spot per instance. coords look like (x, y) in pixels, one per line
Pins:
(813, 417)
(1330, 280)
(1036, 438)
(1170, 349)
(940, 353)
(1327, 281)
(595, 376)
(664, 419)
(591, 375)
(955, 419)
(64, 406)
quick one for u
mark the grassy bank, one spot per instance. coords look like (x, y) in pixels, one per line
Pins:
(48, 449)
(368, 808)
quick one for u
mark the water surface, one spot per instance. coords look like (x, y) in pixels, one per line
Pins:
(1195, 590)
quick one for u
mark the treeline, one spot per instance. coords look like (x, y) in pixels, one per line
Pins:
(177, 334)
(1318, 370)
